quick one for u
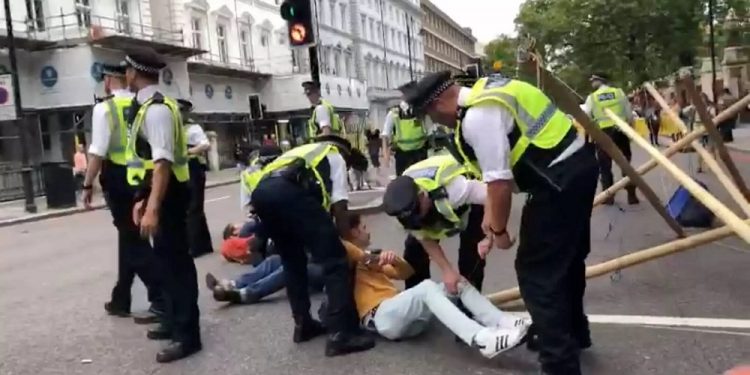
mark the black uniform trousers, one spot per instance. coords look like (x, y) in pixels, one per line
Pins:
(134, 254)
(470, 265)
(605, 161)
(180, 277)
(295, 221)
(199, 239)
(404, 159)
(555, 239)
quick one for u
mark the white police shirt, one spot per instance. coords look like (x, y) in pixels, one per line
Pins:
(462, 191)
(101, 134)
(322, 117)
(157, 126)
(196, 136)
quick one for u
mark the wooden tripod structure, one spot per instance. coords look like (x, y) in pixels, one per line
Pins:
(567, 100)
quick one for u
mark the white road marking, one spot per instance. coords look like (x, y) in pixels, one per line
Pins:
(217, 199)
(719, 332)
(669, 321)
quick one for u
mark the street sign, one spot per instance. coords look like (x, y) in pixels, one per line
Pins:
(7, 105)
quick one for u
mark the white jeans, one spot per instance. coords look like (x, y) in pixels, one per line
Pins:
(408, 313)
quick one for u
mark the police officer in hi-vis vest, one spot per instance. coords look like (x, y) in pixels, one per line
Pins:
(297, 199)
(513, 136)
(198, 144)
(323, 119)
(406, 134)
(109, 127)
(157, 155)
(607, 97)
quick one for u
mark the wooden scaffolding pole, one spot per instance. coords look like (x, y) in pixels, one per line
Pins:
(568, 101)
(712, 164)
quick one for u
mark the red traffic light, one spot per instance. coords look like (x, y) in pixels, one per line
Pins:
(297, 33)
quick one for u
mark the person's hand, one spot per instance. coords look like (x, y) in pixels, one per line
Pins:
(149, 223)
(87, 196)
(451, 279)
(487, 224)
(484, 247)
(387, 257)
(386, 160)
(138, 212)
(503, 241)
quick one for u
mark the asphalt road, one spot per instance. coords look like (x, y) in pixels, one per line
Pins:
(56, 274)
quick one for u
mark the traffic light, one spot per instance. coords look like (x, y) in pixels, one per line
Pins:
(299, 17)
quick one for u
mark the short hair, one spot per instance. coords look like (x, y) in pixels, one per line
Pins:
(355, 220)
(228, 231)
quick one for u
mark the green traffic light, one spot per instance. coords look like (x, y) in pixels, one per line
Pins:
(288, 12)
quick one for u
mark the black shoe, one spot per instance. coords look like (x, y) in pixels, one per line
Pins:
(342, 343)
(307, 331)
(211, 281)
(233, 295)
(176, 350)
(633, 197)
(532, 342)
(152, 316)
(114, 310)
(584, 343)
(159, 333)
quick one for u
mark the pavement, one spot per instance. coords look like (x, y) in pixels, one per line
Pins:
(55, 275)
(741, 139)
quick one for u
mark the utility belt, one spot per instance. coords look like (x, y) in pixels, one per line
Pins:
(300, 176)
(368, 321)
(557, 178)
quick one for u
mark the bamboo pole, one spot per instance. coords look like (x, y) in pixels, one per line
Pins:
(568, 100)
(734, 192)
(673, 149)
(715, 136)
(719, 209)
(635, 258)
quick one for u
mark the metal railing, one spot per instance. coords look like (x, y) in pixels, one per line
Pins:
(11, 182)
(226, 62)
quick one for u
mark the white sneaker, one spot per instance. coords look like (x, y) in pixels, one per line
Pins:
(508, 320)
(493, 341)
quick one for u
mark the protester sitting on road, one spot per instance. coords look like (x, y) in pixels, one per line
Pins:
(245, 243)
(400, 315)
(265, 279)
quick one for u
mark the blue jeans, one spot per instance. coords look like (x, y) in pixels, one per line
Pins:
(268, 277)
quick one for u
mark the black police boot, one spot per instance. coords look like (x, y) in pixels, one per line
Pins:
(159, 332)
(306, 329)
(632, 196)
(113, 309)
(151, 316)
(176, 350)
(341, 343)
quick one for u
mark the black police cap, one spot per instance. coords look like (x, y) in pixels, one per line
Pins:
(400, 196)
(311, 86)
(407, 86)
(114, 70)
(145, 60)
(266, 151)
(185, 105)
(427, 89)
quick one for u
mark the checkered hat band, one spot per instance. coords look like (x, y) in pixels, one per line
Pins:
(143, 68)
(438, 90)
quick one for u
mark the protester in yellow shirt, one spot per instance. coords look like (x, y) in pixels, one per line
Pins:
(396, 315)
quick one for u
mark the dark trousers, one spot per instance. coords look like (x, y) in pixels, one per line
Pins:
(199, 236)
(654, 126)
(134, 254)
(296, 221)
(404, 159)
(470, 265)
(554, 242)
(605, 161)
(180, 277)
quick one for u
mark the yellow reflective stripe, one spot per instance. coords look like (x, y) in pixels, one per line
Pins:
(115, 127)
(444, 207)
(534, 124)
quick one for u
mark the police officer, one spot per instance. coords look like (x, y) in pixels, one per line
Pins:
(293, 200)
(518, 137)
(409, 137)
(607, 97)
(158, 166)
(198, 144)
(435, 199)
(107, 155)
(323, 120)
(250, 177)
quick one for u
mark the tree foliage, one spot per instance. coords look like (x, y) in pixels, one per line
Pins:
(503, 49)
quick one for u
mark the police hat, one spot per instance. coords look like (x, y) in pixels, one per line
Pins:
(185, 105)
(311, 86)
(268, 153)
(145, 60)
(602, 77)
(428, 89)
(401, 197)
(407, 86)
(114, 70)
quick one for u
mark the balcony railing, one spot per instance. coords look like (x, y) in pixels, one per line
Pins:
(225, 62)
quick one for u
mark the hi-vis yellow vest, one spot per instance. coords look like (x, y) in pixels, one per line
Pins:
(252, 174)
(312, 125)
(408, 134)
(312, 154)
(539, 121)
(431, 176)
(137, 166)
(116, 108)
(607, 98)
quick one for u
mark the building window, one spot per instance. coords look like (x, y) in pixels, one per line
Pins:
(282, 38)
(348, 62)
(343, 17)
(337, 62)
(333, 13)
(35, 15)
(264, 38)
(83, 13)
(380, 33)
(364, 26)
(373, 36)
(245, 46)
(196, 32)
(221, 36)
(123, 16)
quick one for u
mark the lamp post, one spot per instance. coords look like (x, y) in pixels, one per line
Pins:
(28, 189)
(712, 42)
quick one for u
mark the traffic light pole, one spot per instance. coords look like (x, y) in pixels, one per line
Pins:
(28, 189)
(314, 66)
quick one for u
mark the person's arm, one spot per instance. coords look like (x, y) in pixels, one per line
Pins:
(386, 136)
(451, 277)
(396, 267)
(628, 108)
(100, 136)
(160, 133)
(587, 106)
(323, 118)
(462, 191)
(339, 192)
(199, 139)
